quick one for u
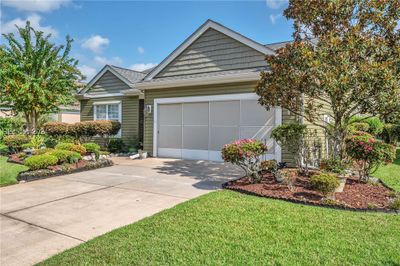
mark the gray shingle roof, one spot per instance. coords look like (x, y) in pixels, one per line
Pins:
(131, 75)
(277, 45)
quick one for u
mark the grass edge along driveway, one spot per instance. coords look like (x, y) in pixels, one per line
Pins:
(226, 227)
(9, 172)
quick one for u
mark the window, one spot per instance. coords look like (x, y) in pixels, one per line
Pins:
(108, 111)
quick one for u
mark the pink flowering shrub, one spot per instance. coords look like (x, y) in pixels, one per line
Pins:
(369, 153)
(246, 154)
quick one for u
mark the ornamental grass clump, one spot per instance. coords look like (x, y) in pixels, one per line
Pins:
(246, 154)
(368, 153)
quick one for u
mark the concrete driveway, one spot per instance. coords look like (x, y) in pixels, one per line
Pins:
(41, 218)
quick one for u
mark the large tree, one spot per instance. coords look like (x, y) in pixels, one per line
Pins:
(36, 76)
(346, 55)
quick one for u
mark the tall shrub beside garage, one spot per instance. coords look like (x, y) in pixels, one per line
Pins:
(246, 154)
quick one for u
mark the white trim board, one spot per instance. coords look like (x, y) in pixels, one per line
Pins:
(199, 81)
(224, 97)
(209, 24)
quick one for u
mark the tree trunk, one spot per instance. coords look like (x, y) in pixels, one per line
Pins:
(31, 118)
(339, 135)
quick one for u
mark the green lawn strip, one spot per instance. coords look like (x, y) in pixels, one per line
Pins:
(390, 174)
(9, 172)
(228, 228)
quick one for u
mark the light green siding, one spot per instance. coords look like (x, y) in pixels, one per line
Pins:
(213, 51)
(130, 116)
(326, 109)
(150, 95)
(108, 83)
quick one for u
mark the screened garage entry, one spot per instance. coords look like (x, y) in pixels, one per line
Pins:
(198, 127)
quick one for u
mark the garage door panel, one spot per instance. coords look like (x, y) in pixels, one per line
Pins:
(253, 114)
(195, 113)
(195, 137)
(170, 137)
(219, 136)
(225, 113)
(170, 114)
(199, 130)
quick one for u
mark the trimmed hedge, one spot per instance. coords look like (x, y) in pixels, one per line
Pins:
(16, 142)
(43, 161)
(84, 129)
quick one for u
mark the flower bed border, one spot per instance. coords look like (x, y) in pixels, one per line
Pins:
(307, 203)
(47, 173)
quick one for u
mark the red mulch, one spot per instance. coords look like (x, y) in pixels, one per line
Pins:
(355, 195)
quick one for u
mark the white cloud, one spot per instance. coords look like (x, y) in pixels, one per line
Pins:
(140, 50)
(96, 43)
(141, 67)
(35, 19)
(35, 5)
(88, 71)
(100, 60)
(273, 18)
(275, 4)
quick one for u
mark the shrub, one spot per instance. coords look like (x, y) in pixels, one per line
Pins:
(27, 146)
(37, 141)
(42, 151)
(91, 147)
(64, 146)
(11, 125)
(15, 142)
(369, 153)
(301, 142)
(56, 129)
(65, 156)
(115, 145)
(71, 147)
(3, 149)
(333, 165)
(375, 125)
(325, 183)
(79, 149)
(269, 166)
(359, 126)
(246, 154)
(83, 130)
(391, 133)
(43, 161)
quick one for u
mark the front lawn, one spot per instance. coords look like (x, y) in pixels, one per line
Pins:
(229, 228)
(9, 172)
(390, 174)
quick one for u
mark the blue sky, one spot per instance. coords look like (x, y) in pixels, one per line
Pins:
(139, 34)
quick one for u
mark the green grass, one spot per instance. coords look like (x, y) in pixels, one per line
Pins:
(9, 172)
(390, 174)
(228, 228)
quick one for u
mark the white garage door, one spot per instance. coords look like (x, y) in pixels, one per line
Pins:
(198, 128)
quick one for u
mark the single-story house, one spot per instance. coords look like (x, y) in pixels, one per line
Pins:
(197, 99)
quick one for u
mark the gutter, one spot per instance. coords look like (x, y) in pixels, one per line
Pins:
(154, 84)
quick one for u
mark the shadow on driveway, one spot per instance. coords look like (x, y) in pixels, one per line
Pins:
(210, 174)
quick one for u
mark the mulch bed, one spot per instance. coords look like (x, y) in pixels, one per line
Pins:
(355, 196)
